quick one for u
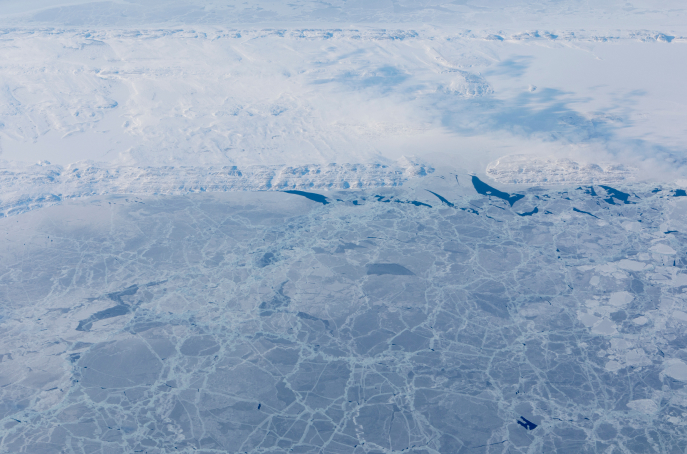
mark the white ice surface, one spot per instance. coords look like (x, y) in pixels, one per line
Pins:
(458, 85)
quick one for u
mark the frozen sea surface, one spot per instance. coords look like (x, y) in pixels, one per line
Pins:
(371, 321)
(380, 226)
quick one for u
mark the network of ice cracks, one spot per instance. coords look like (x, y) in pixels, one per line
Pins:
(465, 319)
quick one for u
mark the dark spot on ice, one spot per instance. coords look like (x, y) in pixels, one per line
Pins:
(117, 296)
(388, 268)
(590, 190)
(529, 213)
(529, 425)
(584, 212)
(381, 198)
(279, 301)
(115, 311)
(305, 316)
(680, 193)
(416, 203)
(310, 195)
(484, 189)
(615, 194)
(618, 316)
(637, 286)
(266, 260)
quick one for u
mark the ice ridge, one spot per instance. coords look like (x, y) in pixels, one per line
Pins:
(42, 184)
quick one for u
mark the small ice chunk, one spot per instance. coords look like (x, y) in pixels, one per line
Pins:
(679, 315)
(631, 265)
(620, 344)
(591, 303)
(594, 281)
(679, 280)
(641, 320)
(620, 299)
(676, 369)
(662, 248)
(637, 357)
(613, 366)
(605, 326)
(646, 406)
(588, 320)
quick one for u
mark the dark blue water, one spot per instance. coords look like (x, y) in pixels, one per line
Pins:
(484, 189)
(529, 213)
(443, 200)
(527, 424)
(310, 195)
(584, 212)
(615, 194)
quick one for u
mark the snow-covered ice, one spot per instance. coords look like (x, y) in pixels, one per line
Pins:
(343, 227)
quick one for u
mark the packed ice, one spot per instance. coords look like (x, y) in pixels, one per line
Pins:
(343, 227)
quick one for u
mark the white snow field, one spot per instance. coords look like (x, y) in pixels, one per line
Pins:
(375, 226)
(270, 83)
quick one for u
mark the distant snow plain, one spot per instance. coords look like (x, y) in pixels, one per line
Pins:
(453, 85)
(489, 256)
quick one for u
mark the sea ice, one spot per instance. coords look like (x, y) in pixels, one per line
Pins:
(408, 226)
